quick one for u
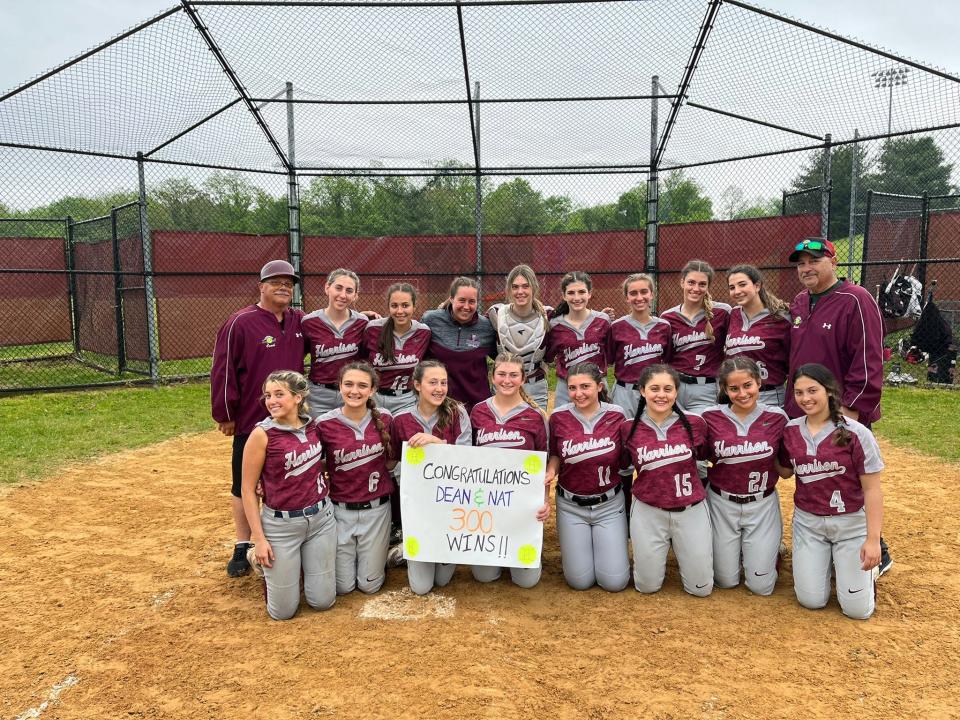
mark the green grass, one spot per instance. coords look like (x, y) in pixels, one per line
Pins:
(44, 431)
(923, 420)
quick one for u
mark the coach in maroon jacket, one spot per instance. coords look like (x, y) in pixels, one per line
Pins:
(837, 324)
(251, 344)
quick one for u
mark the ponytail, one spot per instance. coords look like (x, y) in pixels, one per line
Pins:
(770, 301)
(645, 377)
(702, 267)
(365, 367)
(571, 277)
(822, 376)
(386, 344)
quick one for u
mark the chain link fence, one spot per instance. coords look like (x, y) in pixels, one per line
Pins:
(144, 183)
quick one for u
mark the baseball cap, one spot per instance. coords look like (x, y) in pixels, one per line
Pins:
(817, 247)
(276, 268)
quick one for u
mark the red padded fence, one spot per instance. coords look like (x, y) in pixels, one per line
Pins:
(35, 307)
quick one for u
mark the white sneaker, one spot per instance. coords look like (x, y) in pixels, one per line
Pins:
(252, 559)
(395, 557)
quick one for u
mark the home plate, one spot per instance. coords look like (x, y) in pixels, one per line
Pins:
(406, 605)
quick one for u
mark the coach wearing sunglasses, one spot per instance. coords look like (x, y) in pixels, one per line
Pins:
(837, 323)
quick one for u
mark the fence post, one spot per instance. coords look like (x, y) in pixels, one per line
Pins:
(146, 242)
(653, 185)
(825, 188)
(783, 203)
(72, 290)
(294, 238)
(866, 237)
(478, 192)
(854, 158)
(118, 294)
(924, 236)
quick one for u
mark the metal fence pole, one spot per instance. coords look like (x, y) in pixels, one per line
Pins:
(653, 186)
(825, 191)
(118, 294)
(866, 237)
(72, 289)
(146, 241)
(783, 204)
(924, 236)
(854, 163)
(294, 238)
(478, 191)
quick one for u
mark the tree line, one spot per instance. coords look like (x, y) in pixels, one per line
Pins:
(444, 204)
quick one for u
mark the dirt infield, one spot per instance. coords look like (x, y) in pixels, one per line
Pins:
(116, 604)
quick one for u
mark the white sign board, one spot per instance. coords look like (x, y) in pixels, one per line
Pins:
(471, 505)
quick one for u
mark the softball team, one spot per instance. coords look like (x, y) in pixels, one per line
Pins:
(325, 484)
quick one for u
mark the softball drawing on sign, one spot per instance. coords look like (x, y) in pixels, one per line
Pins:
(472, 505)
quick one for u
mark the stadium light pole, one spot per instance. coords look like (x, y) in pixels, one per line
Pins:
(890, 78)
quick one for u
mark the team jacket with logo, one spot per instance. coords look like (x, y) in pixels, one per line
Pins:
(292, 476)
(250, 345)
(743, 452)
(331, 349)
(408, 350)
(355, 456)
(589, 450)
(464, 349)
(828, 476)
(523, 428)
(845, 333)
(409, 422)
(764, 338)
(693, 353)
(633, 346)
(567, 345)
(665, 460)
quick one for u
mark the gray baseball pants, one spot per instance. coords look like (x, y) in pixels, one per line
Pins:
(652, 532)
(752, 531)
(593, 544)
(362, 544)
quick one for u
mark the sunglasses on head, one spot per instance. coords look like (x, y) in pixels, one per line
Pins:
(811, 245)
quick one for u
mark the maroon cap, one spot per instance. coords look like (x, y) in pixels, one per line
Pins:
(815, 246)
(278, 268)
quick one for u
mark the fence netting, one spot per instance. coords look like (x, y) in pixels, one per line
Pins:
(144, 183)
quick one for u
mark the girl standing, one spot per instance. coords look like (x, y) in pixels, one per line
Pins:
(521, 325)
(462, 340)
(435, 418)
(663, 442)
(334, 336)
(839, 505)
(743, 438)
(295, 530)
(394, 346)
(585, 455)
(699, 327)
(577, 333)
(759, 329)
(358, 456)
(510, 419)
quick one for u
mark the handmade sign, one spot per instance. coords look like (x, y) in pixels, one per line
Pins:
(472, 505)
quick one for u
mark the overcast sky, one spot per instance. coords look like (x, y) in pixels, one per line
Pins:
(38, 35)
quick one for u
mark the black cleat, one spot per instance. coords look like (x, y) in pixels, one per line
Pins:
(238, 565)
(886, 562)
(396, 535)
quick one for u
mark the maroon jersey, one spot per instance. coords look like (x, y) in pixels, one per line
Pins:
(633, 346)
(567, 345)
(409, 422)
(250, 345)
(844, 332)
(828, 476)
(665, 460)
(693, 353)
(331, 349)
(292, 474)
(355, 456)
(589, 449)
(764, 338)
(408, 350)
(743, 451)
(523, 428)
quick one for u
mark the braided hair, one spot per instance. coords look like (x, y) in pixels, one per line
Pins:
(592, 371)
(737, 363)
(571, 277)
(365, 367)
(449, 409)
(770, 301)
(645, 377)
(386, 344)
(702, 267)
(822, 376)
